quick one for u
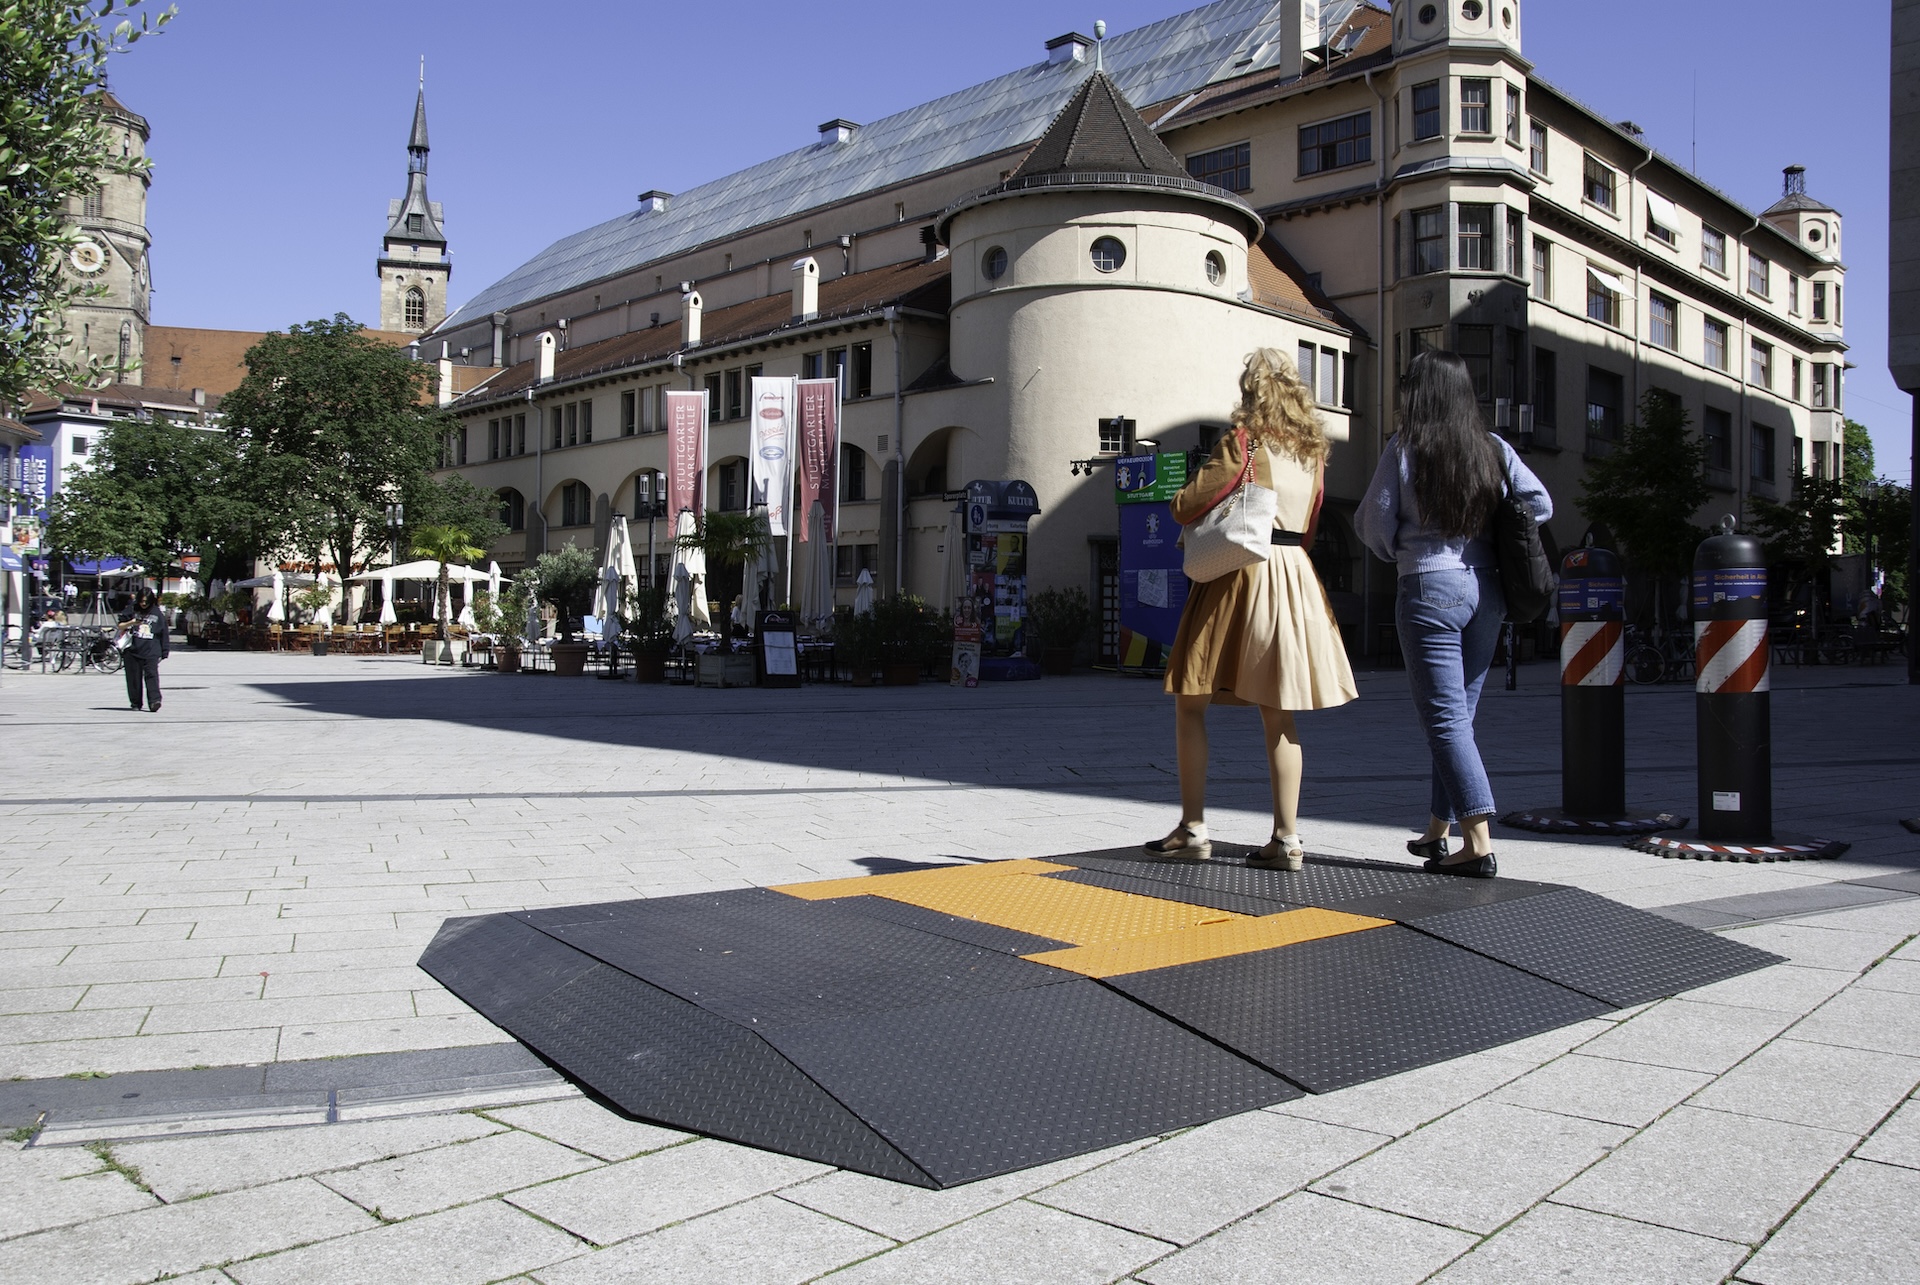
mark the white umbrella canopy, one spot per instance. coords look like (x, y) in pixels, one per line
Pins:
(816, 586)
(278, 611)
(387, 616)
(493, 584)
(682, 606)
(425, 569)
(863, 594)
(694, 563)
(466, 611)
(266, 582)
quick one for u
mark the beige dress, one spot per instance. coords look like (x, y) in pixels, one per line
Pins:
(1264, 635)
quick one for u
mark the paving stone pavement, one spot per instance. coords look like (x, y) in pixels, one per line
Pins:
(248, 877)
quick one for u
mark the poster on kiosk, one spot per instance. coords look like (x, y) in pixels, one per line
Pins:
(996, 595)
(1153, 588)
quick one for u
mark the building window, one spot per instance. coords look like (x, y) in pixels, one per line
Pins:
(1430, 240)
(79, 446)
(862, 381)
(1542, 268)
(416, 224)
(1716, 429)
(993, 264)
(1305, 364)
(1116, 435)
(1328, 385)
(1108, 254)
(1713, 342)
(810, 366)
(853, 473)
(1514, 359)
(573, 423)
(1476, 106)
(1514, 265)
(1426, 110)
(519, 434)
(849, 560)
(91, 206)
(1796, 379)
(1820, 377)
(712, 385)
(736, 399)
(1761, 372)
(1836, 303)
(1598, 183)
(1603, 296)
(1793, 294)
(493, 439)
(1537, 148)
(1713, 250)
(1799, 455)
(1228, 167)
(1605, 392)
(732, 488)
(1475, 346)
(1513, 115)
(557, 424)
(576, 505)
(1759, 274)
(1426, 339)
(629, 413)
(1335, 144)
(1819, 301)
(1546, 394)
(1216, 268)
(416, 310)
(1476, 238)
(586, 422)
(1761, 453)
(513, 510)
(1663, 219)
(1663, 321)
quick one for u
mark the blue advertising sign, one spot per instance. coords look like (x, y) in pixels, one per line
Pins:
(1153, 588)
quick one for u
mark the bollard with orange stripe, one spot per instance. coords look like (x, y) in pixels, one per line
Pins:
(1732, 702)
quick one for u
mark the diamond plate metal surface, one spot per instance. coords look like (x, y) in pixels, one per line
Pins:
(1238, 903)
(986, 1086)
(1070, 912)
(1598, 947)
(496, 963)
(971, 931)
(1342, 1010)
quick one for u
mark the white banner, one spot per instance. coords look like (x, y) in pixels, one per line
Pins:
(770, 448)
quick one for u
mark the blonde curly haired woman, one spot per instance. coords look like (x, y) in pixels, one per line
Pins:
(1264, 635)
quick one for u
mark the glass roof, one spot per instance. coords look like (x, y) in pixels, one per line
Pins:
(1151, 64)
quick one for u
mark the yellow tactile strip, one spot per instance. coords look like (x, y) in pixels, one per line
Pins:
(1234, 935)
(907, 880)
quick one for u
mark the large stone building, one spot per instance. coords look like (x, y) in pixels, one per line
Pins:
(414, 264)
(1353, 184)
(111, 250)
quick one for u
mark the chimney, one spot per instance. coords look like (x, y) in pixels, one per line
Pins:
(443, 392)
(690, 306)
(806, 289)
(930, 244)
(1299, 37)
(1071, 47)
(199, 397)
(838, 131)
(653, 201)
(499, 339)
(1796, 180)
(544, 344)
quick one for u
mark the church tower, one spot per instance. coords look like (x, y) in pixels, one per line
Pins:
(110, 251)
(413, 264)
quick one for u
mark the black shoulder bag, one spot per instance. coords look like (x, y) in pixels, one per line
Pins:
(1526, 576)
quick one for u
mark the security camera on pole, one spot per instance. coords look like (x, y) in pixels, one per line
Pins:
(1733, 711)
(1593, 708)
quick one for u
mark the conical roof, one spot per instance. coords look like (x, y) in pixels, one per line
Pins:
(417, 140)
(1098, 131)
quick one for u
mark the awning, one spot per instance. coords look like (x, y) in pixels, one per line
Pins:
(1662, 212)
(1606, 280)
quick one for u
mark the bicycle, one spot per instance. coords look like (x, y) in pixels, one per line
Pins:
(1658, 657)
(91, 648)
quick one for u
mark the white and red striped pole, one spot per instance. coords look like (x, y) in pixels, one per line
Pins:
(1732, 690)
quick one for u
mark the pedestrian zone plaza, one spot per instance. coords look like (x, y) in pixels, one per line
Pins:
(377, 972)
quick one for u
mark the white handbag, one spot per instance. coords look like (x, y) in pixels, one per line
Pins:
(1236, 531)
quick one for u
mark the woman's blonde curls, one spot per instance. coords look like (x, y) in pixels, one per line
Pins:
(1275, 405)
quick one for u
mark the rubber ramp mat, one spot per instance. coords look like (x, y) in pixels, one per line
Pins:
(1024, 1078)
(1238, 903)
(1599, 947)
(759, 957)
(1007, 941)
(1339, 1011)
(652, 1055)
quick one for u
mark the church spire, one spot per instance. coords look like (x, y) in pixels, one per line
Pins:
(417, 141)
(414, 265)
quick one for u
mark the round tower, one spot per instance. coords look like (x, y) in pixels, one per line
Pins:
(111, 250)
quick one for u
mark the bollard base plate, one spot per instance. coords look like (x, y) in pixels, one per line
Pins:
(1690, 846)
(1558, 821)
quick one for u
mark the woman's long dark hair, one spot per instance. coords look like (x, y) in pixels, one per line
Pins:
(144, 599)
(1457, 477)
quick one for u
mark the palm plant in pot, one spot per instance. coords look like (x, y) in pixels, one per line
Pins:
(313, 600)
(730, 541)
(649, 633)
(1057, 622)
(565, 578)
(444, 545)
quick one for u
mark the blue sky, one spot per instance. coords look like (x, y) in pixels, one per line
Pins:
(279, 129)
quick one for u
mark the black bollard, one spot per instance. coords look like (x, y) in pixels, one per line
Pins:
(1593, 696)
(1733, 702)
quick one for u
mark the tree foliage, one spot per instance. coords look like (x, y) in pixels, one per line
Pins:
(329, 427)
(563, 579)
(54, 145)
(444, 544)
(1800, 531)
(1647, 491)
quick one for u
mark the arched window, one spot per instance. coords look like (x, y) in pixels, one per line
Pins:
(416, 309)
(576, 504)
(513, 510)
(126, 344)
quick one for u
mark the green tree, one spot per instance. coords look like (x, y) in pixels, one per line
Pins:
(1856, 455)
(53, 146)
(452, 501)
(1647, 491)
(152, 491)
(730, 541)
(330, 426)
(444, 544)
(564, 578)
(1800, 532)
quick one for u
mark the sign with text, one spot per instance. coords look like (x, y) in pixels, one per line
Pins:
(819, 449)
(686, 449)
(770, 448)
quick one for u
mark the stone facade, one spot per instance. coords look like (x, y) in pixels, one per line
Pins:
(112, 250)
(414, 264)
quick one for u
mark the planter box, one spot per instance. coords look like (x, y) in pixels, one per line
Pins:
(508, 660)
(570, 659)
(716, 670)
(649, 667)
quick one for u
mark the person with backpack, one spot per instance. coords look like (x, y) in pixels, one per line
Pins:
(144, 627)
(1430, 511)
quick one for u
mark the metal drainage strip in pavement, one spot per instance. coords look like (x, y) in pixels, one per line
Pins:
(944, 1025)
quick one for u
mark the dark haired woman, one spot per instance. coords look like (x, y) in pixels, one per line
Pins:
(1263, 635)
(146, 626)
(1429, 510)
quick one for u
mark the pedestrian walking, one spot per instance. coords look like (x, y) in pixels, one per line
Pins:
(1263, 635)
(1429, 511)
(144, 626)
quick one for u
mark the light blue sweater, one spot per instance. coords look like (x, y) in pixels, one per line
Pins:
(1389, 518)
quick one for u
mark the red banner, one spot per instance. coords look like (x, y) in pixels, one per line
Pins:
(819, 449)
(686, 450)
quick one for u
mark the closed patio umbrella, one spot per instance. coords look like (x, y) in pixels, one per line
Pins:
(816, 585)
(278, 611)
(863, 594)
(387, 616)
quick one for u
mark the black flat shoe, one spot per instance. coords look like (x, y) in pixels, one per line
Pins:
(1429, 849)
(1478, 868)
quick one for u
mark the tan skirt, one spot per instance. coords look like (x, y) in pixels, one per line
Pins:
(1264, 635)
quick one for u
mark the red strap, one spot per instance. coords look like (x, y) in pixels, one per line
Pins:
(1244, 476)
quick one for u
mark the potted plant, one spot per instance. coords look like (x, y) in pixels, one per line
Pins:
(564, 578)
(730, 542)
(902, 628)
(444, 545)
(1057, 622)
(857, 646)
(506, 620)
(649, 634)
(312, 600)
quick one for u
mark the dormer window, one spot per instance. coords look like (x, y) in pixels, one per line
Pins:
(416, 224)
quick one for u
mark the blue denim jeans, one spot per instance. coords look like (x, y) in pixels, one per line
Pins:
(1449, 622)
